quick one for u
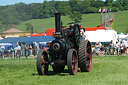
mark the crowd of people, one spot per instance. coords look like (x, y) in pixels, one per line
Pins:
(21, 50)
(119, 48)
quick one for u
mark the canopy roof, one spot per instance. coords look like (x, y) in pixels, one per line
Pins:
(27, 39)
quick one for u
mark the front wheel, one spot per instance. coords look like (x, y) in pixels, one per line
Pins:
(72, 61)
(42, 62)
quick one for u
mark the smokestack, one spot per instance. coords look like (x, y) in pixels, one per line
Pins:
(58, 22)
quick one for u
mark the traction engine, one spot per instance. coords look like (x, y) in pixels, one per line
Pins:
(66, 49)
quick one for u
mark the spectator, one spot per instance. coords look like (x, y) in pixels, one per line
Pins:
(18, 51)
(37, 49)
(2, 48)
(13, 52)
(112, 48)
(122, 47)
(30, 49)
(22, 49)
(98, 46)
(117, 48)
(107, 49)
(34, 50)
(45, 48)
(102, 50)
(26, 50)
(93, 50)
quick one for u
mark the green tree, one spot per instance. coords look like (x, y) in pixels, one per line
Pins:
(62, 7)
(76, 16)
(91, 10)
(74, 5)
(98, 4)
(84, 5)
(109, 3)
(124, 4)
(115, 9)
(29, 27)
(117, 4)
(46, 10)
(38, 13)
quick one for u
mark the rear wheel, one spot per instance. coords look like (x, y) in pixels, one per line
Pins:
(85, 56)
(42, 62)
(72, 61)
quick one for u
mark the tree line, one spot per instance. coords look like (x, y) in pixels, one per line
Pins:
(14, 14)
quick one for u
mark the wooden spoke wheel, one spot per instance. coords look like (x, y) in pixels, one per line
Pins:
(42, 62)
(72, 61)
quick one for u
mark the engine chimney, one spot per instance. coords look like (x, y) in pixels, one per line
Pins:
(58, 22)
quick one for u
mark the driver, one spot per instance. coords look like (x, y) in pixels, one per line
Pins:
(82, 32)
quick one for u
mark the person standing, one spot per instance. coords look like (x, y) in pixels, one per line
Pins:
(13, 52)
(112, 48)
(2, 48)
(22, 49)
(18, 51)
(26, 51)
(98, 46)
(30, 49)
(82, 32)
(122, 45)
(117, 48)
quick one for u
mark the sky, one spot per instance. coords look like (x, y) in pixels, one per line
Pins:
(12, 2)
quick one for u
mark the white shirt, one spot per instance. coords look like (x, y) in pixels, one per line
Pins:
(18, 48)
(82, 32)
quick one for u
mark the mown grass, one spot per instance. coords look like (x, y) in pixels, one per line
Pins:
(110, 70)
(88, 20)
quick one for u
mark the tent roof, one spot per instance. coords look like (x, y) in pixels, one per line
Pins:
(27, 39)
(121, 33)
(12, 30)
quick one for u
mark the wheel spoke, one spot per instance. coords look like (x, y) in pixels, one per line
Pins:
(87, 48)
(42, 62)
(42, 66)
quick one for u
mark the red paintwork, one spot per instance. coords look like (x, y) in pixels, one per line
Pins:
(49, 32)
(94, 28)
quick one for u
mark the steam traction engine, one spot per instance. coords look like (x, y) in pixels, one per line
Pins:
(66, 49)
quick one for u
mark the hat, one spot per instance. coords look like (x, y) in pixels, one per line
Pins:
(72, 25)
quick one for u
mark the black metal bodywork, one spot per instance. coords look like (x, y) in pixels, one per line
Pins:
(63, 42)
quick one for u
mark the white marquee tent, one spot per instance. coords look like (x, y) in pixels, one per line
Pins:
(101, 35)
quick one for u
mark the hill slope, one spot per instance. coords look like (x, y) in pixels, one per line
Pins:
(88, 20)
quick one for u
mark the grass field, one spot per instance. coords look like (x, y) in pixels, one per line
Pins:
(110, 70)
(88, 20)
